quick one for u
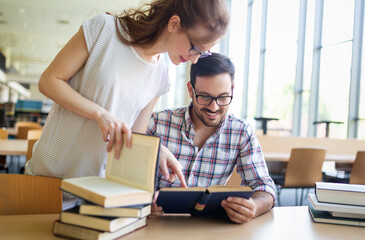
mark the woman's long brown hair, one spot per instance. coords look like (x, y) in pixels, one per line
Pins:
(145, 24)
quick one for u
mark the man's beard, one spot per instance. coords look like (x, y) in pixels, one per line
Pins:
(201, 117)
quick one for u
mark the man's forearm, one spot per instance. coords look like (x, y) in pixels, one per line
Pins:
(264, 202)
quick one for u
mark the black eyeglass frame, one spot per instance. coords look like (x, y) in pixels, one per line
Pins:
(212, 98)
(196, 51)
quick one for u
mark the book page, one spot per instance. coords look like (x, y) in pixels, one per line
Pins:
(136, 165)
(222, 188)
(102, 186)
(188, 189)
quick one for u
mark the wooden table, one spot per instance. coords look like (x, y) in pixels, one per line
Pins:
(279, 223)
(12, 131)
(284, 157)
(13, 147)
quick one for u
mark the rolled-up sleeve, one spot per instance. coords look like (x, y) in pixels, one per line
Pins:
(252, 166)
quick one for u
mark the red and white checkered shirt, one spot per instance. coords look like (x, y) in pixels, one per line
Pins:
(233, 144)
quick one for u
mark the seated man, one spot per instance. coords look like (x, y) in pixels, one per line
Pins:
(209, 143)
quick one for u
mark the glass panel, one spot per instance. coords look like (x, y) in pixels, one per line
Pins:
(361, 126)
(338, 17)
(254, 58)
(307, 73)
(335, 66)
(280, 64)
(237, 51)
(334, 89)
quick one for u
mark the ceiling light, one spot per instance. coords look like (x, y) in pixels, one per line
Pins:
(21, 10)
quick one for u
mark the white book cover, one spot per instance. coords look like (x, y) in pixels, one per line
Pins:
(341, 193)
(336, 209)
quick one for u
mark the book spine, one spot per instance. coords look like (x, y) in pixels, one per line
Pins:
(200, 204)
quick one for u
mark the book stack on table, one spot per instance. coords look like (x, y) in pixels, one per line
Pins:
(338, 203)
(89, 221)
(117, 204)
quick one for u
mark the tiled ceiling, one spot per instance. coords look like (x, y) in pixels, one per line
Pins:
(33, 31)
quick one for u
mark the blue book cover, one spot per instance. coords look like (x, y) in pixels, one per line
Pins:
(199, 201)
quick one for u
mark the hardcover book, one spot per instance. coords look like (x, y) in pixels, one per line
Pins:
(342, 193)
(197, 200)
(108, 224)
(129, 180)
(76, 232)
(136, 211)
(326, 217)
(337, 210)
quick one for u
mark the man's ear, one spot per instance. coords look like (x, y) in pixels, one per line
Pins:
(190, 89)
(174, 24)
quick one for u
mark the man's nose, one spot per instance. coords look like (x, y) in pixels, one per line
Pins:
(213, 106)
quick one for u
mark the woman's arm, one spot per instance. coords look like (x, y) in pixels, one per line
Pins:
(53, 84)
(141, 123)
(167, 159)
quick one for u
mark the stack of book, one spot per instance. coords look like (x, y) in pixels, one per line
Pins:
(338, 203)
(90, 221)
(117, 204)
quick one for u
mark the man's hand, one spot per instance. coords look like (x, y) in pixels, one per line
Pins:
(168, 160)
(239, 210)
(156, 211)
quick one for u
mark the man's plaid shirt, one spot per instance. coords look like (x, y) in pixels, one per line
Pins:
(233, 144)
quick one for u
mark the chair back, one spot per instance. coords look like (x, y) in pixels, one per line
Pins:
(25, 124)
(34, 134)
(29, 154)
(22, 132)
(304, 167)
(358, 169)
(27, 194)
(3, 133)
(235, 179)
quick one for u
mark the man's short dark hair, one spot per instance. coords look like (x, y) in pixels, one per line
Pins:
(210, 66)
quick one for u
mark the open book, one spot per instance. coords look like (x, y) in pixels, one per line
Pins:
(130, 180)
(198, 200)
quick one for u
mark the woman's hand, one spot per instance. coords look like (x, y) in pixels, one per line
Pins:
(113, 130)
(168, 160)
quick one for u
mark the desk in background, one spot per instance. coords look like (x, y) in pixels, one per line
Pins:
(264, 121)
(284, 157)
(279, 223)
(12, 131)
(340, 151)
(13, 147)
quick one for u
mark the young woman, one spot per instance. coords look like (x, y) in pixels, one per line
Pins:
(106, 80)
